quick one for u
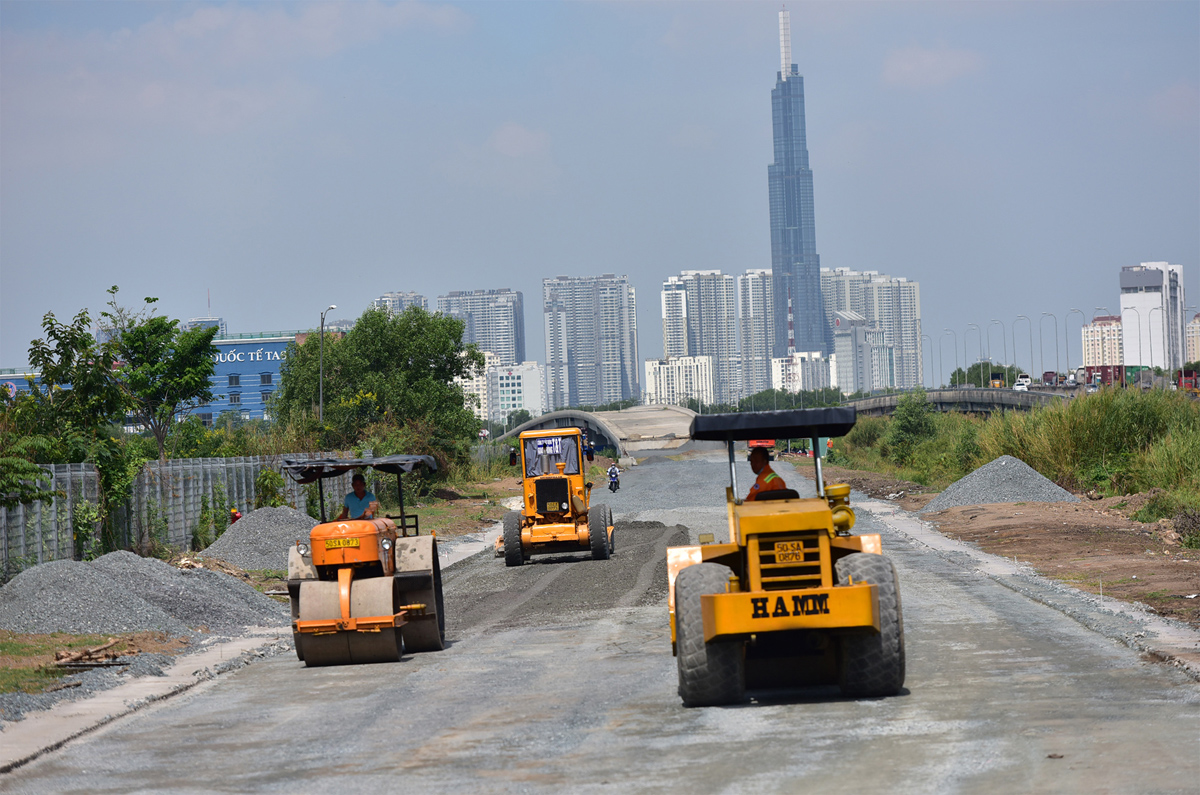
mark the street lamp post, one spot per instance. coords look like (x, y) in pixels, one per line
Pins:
(1134, 309)
(923, 338)
(944, 333)
(1014, 331)
(1067, 329)
(1004, 343)
(1056, 362)
(1149, 327)
(321, 376)
(979, 334)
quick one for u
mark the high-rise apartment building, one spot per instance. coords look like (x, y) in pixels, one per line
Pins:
(677, 379)
(396, 303)
(495, 320)
(1192, 340)
(475, 385)
(892, 304)
(591, 340)
(755, 301)
(709, 318)
(1102, 341)
(800, 323)
(516, 387)
(1152, 302)
(865, 363)
(803, 371)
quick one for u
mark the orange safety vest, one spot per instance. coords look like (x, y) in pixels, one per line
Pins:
(767, 481)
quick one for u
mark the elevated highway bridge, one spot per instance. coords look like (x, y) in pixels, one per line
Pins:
(667, 427)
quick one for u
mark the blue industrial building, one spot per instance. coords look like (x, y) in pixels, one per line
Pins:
(245, 375)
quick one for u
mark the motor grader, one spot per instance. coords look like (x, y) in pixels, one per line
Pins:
(364, 590)
(557, 514)
(792, 598)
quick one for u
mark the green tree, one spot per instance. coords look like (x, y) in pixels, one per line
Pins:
(78, 393)
(20, 477)
(911, 424)
(981, 373)
(166, 371)
(396, 369)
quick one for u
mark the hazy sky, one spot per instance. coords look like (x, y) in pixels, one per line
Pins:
(284, 156)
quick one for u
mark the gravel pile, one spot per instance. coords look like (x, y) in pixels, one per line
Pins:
(196, 597)
(1006, 479)
(122, 592)
(260, 539)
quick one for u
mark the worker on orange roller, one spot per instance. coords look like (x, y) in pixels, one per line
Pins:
(760, 463)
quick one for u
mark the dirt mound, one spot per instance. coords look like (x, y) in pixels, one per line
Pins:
(260, 539)
(1006, 479)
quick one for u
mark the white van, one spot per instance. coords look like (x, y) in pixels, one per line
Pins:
(1022, 383)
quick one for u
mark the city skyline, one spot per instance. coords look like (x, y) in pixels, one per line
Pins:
(968, 146)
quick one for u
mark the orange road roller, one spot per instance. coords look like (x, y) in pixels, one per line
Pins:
(364, 590)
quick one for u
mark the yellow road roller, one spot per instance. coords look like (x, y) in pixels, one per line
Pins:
(365, 590)
(791, 598)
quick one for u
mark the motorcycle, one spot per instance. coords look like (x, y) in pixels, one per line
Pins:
(614, 483)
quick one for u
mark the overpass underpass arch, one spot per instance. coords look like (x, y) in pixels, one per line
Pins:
(600, 432)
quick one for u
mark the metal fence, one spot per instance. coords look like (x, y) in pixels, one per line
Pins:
(167, 502)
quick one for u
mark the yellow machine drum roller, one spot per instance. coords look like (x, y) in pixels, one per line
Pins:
(320, 601)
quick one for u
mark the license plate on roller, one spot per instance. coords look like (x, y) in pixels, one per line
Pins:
(338, 543)
(789, 551)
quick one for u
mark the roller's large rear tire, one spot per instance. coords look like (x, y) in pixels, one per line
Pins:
(710, 674)
(428, 634)
(513, 555)
(872, 663)
(598, 522)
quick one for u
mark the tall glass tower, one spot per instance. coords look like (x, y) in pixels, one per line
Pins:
(800, 323)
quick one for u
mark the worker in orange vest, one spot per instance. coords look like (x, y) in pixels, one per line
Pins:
(760, 464)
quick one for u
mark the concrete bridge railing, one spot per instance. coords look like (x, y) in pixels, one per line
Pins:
(978, 401)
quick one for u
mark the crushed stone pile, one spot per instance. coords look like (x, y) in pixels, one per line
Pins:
(261, 538)
(1006, 479)
(121, 592)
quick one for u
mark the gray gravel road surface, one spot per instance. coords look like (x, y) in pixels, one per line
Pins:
(559, 677)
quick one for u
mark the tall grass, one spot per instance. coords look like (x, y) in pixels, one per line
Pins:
(1115, 441)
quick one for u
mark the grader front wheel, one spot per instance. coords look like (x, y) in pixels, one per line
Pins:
(713, 673)
(513, 555)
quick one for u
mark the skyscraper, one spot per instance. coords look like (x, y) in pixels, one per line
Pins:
(700, 309)
(591, 340)
(397, 302)
(495, 320)
(800, 323)
(893, 305)
(1150, 340)
(757, 328)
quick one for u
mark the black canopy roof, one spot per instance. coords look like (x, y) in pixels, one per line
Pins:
(317, 468)
(789, 424)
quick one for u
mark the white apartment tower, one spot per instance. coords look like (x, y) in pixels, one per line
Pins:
(396, 303)
(675, 380)
(1192, 342)
(1152, 321)
(864, 361)
(710, 318)
(591, 340)
(1102, 341)
(756, 302)
(495, 320)
(892, 304)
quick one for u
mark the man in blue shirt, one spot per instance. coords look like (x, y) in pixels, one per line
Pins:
(357, 504)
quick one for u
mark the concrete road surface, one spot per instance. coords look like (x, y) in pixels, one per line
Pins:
(560, 678)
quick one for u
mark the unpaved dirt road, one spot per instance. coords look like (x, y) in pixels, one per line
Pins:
(560, 678)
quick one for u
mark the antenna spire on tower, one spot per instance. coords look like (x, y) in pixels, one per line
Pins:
(785, 43)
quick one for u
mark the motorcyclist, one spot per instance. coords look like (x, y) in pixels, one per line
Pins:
(614, 478)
